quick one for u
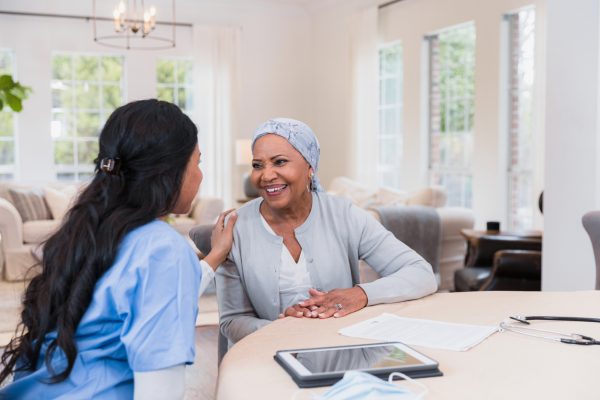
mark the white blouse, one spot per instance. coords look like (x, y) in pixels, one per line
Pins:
(294, 279)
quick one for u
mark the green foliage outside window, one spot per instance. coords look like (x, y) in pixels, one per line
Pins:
(174, 79)
(457, 80)
(12, 95)
(85, 90)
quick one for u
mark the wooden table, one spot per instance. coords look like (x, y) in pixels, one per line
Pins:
(504, 366)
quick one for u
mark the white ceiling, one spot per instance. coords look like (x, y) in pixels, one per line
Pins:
(211, 11)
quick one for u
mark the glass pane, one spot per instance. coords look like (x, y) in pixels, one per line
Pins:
(87, 95)
(458, 188)
(184, 98)
(7, 152)
(112, 97)
(63, 97)
(165, 71)
(61, 67)
(166, 94)
(185, 72)
(65, 176)
(391, 91)
(86, 68)
(6, 124)
(387, 151)
(6, 177)
(61, 124)
(87, 151)
(390, 113)
(391, 122)
(88, 124)
(112, 68)
(391, 60)
(63, 152)
(521, 199)
(6, 62)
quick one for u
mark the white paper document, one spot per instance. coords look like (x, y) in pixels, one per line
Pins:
(420, 332)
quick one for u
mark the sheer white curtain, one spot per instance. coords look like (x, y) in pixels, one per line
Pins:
(216, 55)
(365, 84)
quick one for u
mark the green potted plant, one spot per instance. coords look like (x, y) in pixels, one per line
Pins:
(12, 93)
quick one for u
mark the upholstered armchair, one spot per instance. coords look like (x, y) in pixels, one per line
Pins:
(28, 220)
(591, 223)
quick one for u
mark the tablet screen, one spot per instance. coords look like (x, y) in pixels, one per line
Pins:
(343, 359)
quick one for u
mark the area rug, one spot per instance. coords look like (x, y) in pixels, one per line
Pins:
(10, 309)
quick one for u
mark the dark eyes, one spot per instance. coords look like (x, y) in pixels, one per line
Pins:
(278, 163)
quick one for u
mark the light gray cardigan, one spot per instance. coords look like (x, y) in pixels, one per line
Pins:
(334, 237)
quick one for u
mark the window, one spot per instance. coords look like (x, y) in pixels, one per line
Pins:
(174, 82)
(85, 90)
(7, 123)
(390, 115)
(451, 111)
(521, 198)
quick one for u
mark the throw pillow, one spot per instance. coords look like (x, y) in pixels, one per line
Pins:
(59, 201)
(30, 204)
(433, 196)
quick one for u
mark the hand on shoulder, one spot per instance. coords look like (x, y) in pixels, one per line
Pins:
(221, 239)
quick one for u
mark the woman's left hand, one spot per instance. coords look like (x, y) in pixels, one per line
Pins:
(336, 303)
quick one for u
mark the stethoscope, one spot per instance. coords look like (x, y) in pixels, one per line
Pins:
(569, 338)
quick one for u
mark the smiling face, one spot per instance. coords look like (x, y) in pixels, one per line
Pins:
(280, 173)
(191, 182)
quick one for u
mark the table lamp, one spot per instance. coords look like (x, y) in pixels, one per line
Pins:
(243, 157)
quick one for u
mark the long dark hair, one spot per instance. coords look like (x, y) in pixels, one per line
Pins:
(150, 142)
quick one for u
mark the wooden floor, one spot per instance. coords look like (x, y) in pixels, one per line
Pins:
(201, 377)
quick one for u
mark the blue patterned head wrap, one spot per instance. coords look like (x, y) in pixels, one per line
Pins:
(300, 136)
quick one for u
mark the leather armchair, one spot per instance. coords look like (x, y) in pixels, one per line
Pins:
(499, 262)
(515, 270)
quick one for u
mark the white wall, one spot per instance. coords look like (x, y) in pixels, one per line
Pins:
(572, 142)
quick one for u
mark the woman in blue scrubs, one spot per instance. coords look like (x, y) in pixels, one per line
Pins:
(112, 314)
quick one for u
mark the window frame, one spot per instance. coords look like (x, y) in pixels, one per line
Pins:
(439, 170)
(515, 88)
(81, 171)
(8, 172)
(393, 168)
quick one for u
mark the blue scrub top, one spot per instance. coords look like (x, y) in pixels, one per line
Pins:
(141, 318)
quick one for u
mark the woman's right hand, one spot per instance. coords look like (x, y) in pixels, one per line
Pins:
(221, 239)
(296, 311)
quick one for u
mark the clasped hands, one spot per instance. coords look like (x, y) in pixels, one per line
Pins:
(336, 303)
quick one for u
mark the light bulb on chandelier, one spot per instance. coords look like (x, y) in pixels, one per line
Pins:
(134, 27)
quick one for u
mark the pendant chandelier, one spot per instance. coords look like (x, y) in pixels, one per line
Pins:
(134, 26)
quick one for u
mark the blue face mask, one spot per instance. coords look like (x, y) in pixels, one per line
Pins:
(364, 386)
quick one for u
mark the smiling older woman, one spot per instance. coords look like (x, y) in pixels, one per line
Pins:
(296, 249)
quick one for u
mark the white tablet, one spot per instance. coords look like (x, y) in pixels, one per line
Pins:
(326, 365)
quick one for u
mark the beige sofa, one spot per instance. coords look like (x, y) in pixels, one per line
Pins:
(21, 239)
(452, 220)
